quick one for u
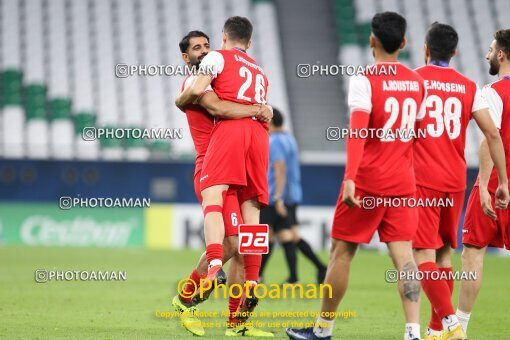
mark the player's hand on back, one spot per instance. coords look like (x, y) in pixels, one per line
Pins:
(485, 199)
(502, 196)
(349, 197)
(265, 113)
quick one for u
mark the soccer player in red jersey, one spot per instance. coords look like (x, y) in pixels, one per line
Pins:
(194, 47)
(377, 168)
(483, 225)
(440, 168)
(238, 152)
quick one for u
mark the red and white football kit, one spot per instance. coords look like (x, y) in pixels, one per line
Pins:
(238, 152)
(439, 161)
(201, 125)
(479, 230)
(386, 168)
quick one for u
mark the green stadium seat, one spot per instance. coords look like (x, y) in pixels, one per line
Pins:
(35, 101)
(60, 108)
(132, 142)
(110, 142)
(11, 87)
(82, 120)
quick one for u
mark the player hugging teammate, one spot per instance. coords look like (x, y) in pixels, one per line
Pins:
(228, 118)
(442, 101)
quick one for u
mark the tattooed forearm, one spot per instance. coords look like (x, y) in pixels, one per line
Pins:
(411, 287)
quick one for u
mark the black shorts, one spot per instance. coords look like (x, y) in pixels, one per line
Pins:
(269, 216)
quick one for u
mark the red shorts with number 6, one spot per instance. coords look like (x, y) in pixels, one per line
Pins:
(358, 225)
(438, 225)
(479, 229)
(238, 155)
(231, 212)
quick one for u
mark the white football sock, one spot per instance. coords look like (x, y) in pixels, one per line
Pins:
(215, 262)
(412, 331)
(463, 318)
(323, 327)
(449, 322)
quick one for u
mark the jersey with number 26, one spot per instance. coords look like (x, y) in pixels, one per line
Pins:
(236, 76)
(393, 102)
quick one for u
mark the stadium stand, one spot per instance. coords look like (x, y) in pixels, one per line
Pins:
(57, 72)
(58, 60)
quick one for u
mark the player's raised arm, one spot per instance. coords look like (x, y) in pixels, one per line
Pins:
(231, 110)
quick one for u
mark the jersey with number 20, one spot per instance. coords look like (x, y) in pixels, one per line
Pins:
(392, 99)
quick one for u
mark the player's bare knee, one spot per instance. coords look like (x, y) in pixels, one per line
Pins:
(424, 255)
(472, 257)
(213, 195)
(342, 251)
(444, 260)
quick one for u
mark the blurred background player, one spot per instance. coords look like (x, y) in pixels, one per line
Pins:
(440, 168)
(377, 168)
(285, 194)
(194, 47)
(483, 226)
(238, 151)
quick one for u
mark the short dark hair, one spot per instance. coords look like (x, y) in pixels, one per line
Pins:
(502, 38)
(184, 44)
(390, 30)
(238, 29)
(277, 118)
(442, 41)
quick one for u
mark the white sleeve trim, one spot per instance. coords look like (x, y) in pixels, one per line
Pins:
(360, 94)
(213, 63)
(422, 111)
(495, 104)
(479, 102)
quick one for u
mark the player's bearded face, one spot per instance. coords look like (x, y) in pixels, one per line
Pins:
(492, 57)
(199, 47)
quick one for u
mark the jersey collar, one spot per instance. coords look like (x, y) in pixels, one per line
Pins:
(440, 63)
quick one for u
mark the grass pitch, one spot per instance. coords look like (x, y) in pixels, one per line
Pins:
(127, 309)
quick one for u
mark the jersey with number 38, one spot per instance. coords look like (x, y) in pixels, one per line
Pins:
(393, 100)
(439, 156)
(236, 76)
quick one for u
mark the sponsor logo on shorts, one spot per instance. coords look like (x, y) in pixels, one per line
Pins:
(203, 177)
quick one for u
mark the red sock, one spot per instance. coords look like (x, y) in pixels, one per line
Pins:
(233, 304)
(437, 291)
(189, 288)
(435, 320)
(214, 251)
(252, 267)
